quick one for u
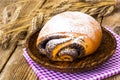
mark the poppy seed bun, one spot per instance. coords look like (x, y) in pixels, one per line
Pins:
(68, 36)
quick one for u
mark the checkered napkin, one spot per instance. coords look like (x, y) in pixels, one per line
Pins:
(110, 68)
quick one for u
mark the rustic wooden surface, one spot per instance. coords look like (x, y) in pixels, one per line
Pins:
(13, 65)
(16, 68)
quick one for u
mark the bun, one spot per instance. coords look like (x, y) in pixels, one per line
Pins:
(69, 36)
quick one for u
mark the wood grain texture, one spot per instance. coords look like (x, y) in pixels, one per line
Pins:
(17, 68)
(116, 77)
(5, 55)
(13, 65)
(113, 20)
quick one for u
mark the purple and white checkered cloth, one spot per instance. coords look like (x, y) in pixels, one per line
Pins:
(110, 68)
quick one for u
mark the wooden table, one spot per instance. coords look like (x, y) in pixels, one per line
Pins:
(13, 65)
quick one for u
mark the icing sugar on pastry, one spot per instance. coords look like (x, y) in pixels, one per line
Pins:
(69, 36)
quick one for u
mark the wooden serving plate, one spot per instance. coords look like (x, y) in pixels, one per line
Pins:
(103, 53)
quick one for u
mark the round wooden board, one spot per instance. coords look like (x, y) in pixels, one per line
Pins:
(103, 53)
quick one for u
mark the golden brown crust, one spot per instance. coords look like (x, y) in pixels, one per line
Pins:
(73, 25)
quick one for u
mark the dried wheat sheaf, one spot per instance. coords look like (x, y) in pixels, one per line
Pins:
(24, 17)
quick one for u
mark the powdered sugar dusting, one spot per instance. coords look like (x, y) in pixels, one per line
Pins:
(72, 22)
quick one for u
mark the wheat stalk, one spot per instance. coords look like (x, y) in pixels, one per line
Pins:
(43, 10)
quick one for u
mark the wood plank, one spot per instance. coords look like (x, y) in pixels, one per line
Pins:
(5, 55)
(116, 77)
(17, 68)
(113, 20)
